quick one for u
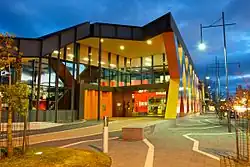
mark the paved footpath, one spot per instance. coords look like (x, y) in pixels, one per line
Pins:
(170, 146)
(86, 131)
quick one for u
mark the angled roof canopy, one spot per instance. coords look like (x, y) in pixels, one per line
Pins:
(85, 30)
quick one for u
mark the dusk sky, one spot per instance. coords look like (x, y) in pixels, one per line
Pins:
(32, 18)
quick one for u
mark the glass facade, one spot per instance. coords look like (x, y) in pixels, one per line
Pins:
(80, 62)
(116, 71)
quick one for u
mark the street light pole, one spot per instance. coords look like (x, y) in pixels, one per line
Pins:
(201, 33)
(226, 69)
(202, 46)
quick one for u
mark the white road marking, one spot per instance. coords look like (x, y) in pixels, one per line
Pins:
(210, 127)
(189, 125)
(150, 154)
(86, 141)
(209, 121)
(212, 134)
(196, 148)
(196, 143)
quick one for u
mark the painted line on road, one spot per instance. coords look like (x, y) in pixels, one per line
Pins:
(210, 127)
(86, 141)
(196, 147)
(209, 121)
(212, 134)
(190, 125)
(69, 138)
(150, 154)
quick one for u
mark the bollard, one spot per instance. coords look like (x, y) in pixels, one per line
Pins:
(105, 134)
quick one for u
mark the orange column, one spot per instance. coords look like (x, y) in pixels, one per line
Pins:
(173, 67)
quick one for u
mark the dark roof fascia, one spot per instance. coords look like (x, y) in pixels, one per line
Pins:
(23, 38)
(156, 27)
(60, 31)
(120, 25)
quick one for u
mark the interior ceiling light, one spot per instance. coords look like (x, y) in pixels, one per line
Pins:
(122, 47)
(101, 62)
(71, 55)
(149, 42)
(38, 153)
(86, 59)
(112, 65)
(102, 40)
(68, 48)
(56, 51)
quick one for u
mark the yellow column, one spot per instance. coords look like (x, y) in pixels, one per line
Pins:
(173, 97)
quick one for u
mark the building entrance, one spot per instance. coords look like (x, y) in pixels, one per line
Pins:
(91, 104)
(149, 103)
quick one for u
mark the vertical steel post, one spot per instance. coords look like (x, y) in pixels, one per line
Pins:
(89, 63)
(57, 79)
(38, 87)
(152, 69)
(109, 62)
(75, 58)
(141, 62)
(130, 75)
(164, 67)
(226, 70)
(99, 75)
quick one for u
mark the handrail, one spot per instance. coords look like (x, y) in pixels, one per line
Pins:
(53, 105)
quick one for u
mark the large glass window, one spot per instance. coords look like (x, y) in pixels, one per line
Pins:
(105, 77)
(147, 76)
(122, 71)
(136, 71)
(70, 52)
(113, 71)
(83, 54)
(94, 57)
(127, 72)
(158, 68)
(104, 60)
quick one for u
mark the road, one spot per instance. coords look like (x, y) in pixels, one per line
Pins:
(172, 146)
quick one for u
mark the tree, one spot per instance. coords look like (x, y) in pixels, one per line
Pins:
(11, 57)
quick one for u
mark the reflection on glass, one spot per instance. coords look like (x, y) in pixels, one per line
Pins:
(147, 75)
(70, 52)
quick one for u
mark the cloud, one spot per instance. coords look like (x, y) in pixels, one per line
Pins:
(31, 18)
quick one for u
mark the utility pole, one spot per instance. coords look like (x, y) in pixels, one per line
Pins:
(226, 70)
(202, 47)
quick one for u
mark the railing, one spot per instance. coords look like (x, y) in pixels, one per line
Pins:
(52, 107)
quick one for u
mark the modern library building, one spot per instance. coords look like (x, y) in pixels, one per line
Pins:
(93, 70)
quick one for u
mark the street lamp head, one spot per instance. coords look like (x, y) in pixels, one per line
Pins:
(202, 46)
(207, 77)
